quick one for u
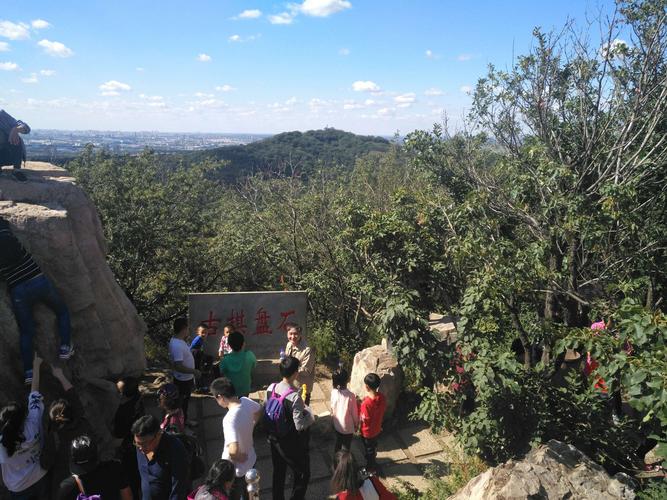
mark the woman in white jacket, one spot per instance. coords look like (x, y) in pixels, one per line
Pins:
(21, 444)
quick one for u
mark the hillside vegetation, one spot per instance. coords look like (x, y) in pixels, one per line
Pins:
(291, 152)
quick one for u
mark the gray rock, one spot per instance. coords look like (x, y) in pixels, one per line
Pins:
(377, 359)
(552, 471)
(58, 224)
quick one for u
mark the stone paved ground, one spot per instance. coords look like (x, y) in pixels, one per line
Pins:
(403, 453)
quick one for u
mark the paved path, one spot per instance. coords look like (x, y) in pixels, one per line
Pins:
(403, 453)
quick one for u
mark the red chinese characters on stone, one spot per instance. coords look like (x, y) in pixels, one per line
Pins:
(237, 318)
(211, 323)
(262, 326)
(284, 316)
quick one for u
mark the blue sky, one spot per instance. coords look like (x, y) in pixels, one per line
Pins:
(373, 67)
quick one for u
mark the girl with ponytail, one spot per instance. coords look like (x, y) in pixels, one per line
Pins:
(20, 444)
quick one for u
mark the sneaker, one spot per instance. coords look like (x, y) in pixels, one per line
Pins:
(28, 377)
(65, 351)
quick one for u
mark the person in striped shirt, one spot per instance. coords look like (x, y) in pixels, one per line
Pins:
(12, 148)
(27, 286)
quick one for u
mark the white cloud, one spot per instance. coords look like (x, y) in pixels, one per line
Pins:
(14, 31)
(151, 97)
(282, 18)
(464, 57)
(249, 14)
(291, 101)
(316, 104)
(140, 69)
(225, 88)
(466, 89)
(405, 100)
(8, 66)
(55, 49)
(344, 52)
(617, 48)
(210, 103)
(352, 105)
(385, 112)
(433, 91)
(4, 47)
(235, 38)
(202, 95)
(113, 88)
(431, 55)
(30, 79)
(40, 24)
(365, 86)
(153, 101)
(323, 8)
(204, 58)
(47, 72)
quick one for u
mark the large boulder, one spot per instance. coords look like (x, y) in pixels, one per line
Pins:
(58, 224)
(377, 359)
(552, 471)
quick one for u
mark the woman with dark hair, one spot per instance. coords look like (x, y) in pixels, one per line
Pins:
(20, 444)
(349, 484)
(217, 483)
(67, 420)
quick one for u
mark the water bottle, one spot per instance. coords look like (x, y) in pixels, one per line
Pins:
(282, 354)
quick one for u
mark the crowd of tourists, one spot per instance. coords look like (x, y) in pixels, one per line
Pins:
(56, 454)
(158, 458)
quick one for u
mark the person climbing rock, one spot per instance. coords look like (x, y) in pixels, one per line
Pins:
(27, 286)
(12, 147)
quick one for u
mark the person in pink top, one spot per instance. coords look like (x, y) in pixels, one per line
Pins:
(225, 348)
(344, 410)
(169, 400)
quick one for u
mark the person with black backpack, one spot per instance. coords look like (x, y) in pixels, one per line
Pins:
(287, 421)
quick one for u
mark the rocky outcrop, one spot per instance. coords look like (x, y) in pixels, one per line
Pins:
(552, 471)
(58, 224)
(378, 359)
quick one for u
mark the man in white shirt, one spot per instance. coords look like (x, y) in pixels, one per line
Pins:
(182, 363)
(237, 427)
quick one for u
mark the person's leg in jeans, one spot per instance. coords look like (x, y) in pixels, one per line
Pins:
(22, 304)
(279, 471)
(370, 453)
(300, 464)
(185, 390)
(343, 441)
(54, 301)
(239, 490)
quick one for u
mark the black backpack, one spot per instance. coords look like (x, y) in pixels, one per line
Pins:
(193, 455)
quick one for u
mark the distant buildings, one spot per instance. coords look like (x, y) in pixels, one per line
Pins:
(61, 145)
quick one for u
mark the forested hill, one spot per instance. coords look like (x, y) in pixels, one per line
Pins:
(293, 151)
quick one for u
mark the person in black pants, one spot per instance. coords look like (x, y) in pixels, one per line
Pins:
(183, 363)
(288, 437)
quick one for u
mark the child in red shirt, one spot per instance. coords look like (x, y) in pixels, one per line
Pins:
(371, 414)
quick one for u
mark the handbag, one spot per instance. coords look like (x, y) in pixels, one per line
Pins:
(82, 493)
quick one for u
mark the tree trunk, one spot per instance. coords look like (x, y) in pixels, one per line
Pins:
(571, 305)
(523, 336)
(550, 299)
